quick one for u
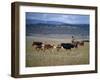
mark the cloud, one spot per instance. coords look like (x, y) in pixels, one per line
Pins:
(65, 18)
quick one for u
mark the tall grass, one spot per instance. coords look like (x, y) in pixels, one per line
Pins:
(52, 57)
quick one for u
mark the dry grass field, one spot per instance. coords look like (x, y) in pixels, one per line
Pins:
(52, 57)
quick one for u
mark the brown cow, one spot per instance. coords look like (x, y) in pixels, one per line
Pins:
(37, 45)
(81, 43)
(78, 43)
(48, 46)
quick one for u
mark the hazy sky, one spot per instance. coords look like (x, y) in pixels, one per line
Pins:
(65, 18)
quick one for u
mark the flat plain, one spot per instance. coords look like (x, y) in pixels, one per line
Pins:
(52, 57)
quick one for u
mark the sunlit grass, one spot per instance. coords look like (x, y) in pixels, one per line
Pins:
(56, 58)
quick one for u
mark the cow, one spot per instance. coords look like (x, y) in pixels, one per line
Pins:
(37, 45)
(81, 43)
(67, 45)
(58, 47)
(48, 46)
(76, 44)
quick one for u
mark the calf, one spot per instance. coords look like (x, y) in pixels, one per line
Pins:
(58, 47)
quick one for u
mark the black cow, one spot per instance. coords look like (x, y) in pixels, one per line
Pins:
(67, 45)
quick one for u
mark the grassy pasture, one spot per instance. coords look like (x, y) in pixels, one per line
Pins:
(56, 58)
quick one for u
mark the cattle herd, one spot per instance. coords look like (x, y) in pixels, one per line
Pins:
(66, 46)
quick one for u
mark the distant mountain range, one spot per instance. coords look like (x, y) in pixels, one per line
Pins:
(42, 22)
(53, 27)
